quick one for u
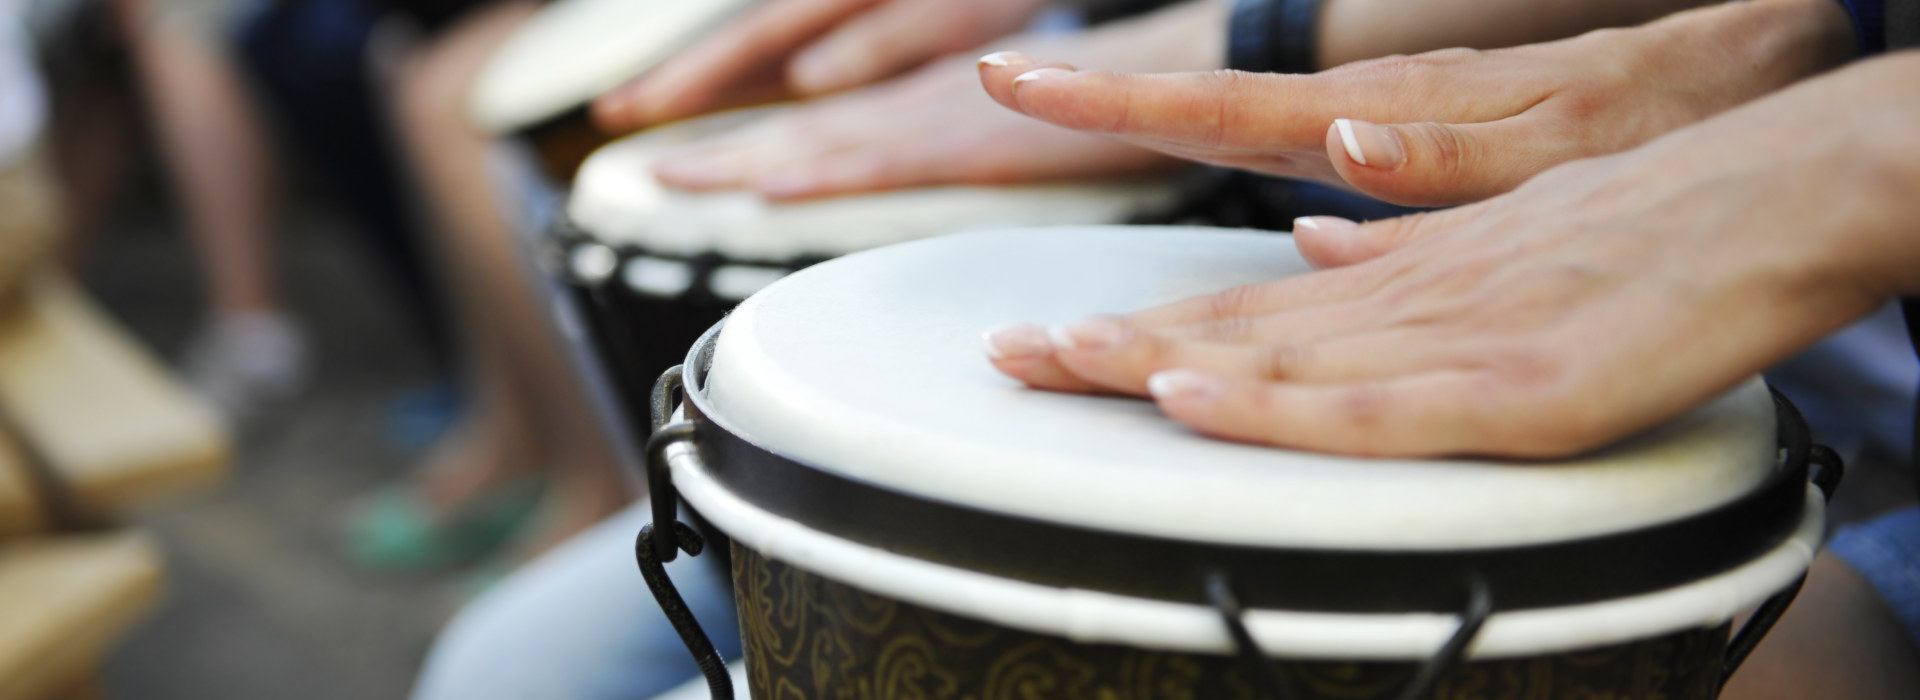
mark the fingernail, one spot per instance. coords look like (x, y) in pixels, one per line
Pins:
(1033, 75)
(1370, 144)
(1089, 335)
(1322, 223)
(1015, 342)
(1005, 59)
(1184, 385)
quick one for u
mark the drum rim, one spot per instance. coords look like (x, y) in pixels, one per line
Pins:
(493, 106)
(1309, 633)
(1653, 557)
(1087, 616)
(800, 404)
(603, 210)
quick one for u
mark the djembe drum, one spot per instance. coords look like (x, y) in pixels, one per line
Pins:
(906, 522)
(537, 85)
(652, 267)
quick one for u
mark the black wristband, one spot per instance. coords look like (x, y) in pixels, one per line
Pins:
(1274, 36)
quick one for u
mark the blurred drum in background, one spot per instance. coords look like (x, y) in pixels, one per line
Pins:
(907, 522)
(538, 85)
(656, 266)
(639, 270)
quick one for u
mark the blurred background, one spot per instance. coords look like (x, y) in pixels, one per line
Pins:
(263, 602)
(277, 397)
(221, 351)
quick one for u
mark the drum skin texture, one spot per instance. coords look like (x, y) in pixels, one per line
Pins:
(807, 636)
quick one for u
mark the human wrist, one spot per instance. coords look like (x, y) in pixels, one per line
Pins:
(1855, 152)
(1881, 219)
(1770, 43)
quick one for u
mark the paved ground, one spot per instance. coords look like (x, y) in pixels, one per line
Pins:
(262, 604)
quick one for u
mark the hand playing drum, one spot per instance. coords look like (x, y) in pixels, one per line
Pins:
(940, 529)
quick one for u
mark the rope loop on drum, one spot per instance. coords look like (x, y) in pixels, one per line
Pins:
(654, 571)
(1273, 680)
(1479, 608)
(1265, 672)
(660, 491)
(664, 388)
(1800, 455)
(1831, 470)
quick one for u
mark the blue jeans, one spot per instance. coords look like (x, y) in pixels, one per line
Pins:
(1886, 552)
(578, 624)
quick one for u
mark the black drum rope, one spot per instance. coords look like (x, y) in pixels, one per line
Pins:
(1479, 608)
(1273, 680)
(1796, 441)
(675, 607)
(662, 540)
(663, 391)
(660, 491)
(1265, 672)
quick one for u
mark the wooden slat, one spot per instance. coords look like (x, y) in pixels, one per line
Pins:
(111, 423)
(29, 219)
(21, 512)
(65, 601)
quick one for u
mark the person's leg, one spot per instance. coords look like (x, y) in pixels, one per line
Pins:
(1852, 631)
(578, 624)
(514, 343)
(215, 150)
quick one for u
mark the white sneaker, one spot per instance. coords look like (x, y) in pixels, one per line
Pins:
(242, 363)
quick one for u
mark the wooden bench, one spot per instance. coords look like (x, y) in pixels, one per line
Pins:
(94, 410)
(65, 600)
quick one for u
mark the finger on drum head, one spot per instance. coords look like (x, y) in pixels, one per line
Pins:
(1025, 352)
(1045, 373)
(1266, 298)
(1421, 415)
(831, 174)
(1315, 324)
(1128, 365)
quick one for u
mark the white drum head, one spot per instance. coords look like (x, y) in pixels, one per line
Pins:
(574, 50)
(870, 367)
(617, 201)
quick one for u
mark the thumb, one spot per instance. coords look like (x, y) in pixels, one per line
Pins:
(1437, 164)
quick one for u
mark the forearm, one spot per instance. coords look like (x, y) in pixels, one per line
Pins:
(1353, 30)
(1832, 162)
(1744, 50)
(1870, 109)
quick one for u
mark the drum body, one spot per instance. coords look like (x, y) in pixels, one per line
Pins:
(907, 523)
(809, 636)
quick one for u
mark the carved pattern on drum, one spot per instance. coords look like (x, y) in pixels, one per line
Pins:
(808, 637)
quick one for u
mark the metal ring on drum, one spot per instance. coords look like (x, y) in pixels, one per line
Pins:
(942, 528)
